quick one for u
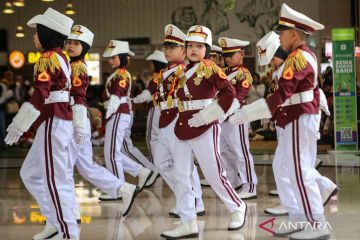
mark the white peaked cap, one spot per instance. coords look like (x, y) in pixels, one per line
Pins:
(293, 19)
(116, 47)
(232, 45)
(174, 35)
(267, 47)
(53, 20)
(198, 33)
(81, 33)
(215, 49)
(157, 56)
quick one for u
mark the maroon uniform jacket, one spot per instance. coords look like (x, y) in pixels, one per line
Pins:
(298, 75)
(241, 82)
(169, 86)
(206, 81)
(152, 87)
(79, 81)
(48, 77)
(119, 85)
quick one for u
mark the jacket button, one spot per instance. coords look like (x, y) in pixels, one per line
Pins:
(180, 123)
(167, 112)
(280, 109)
(285, 114)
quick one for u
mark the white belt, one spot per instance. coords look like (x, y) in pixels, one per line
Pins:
(194, 104)
(298, 98)
(163, 105)
(58, 97)
(122, 100)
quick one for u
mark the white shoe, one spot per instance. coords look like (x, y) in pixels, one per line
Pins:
(48, 232)
(238, 218)
(318, 163)
(204, 183)
(328, 193)
(187, 230)
(106, 197)
(152, 180)
(287, 228)
(200, 211)
(277, 211)
(144, 176)
(311, 234)
(274, 193)
(247, 195)
(128, 192)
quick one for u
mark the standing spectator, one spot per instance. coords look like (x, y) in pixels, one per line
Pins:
(5, 94)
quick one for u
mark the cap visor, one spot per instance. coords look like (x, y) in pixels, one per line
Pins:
(279, 28)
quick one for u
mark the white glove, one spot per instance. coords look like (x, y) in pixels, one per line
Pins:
(80, 134)
(144, 96)
(113, 105)
(207, 115)
(323, 103)
(239, 117)
(13, 134)
(254, 111)
(21, 122)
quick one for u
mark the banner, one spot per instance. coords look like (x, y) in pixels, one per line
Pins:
(344, 88)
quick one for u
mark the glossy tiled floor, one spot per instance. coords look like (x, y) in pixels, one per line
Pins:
(20, 217)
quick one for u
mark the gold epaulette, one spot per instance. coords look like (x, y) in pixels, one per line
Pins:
(123, 74)
(244, 74)
(78, 68)
(207, 68)
(296, 61)
(47, 61)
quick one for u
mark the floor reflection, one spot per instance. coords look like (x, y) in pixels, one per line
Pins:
(20, 217)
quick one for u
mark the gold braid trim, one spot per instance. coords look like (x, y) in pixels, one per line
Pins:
(123, 74)
(49, 61)
(244, 74)
(296, 61)
(78, 68)
(207, 68)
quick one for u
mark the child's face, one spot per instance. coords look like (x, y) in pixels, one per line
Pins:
(287, 39)
(114, 61)
(195, 51)
(37, 41)
(235, 59)
(73, 48)
(174, 54)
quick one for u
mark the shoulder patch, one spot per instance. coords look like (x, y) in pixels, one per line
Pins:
(288, 74)
(43, 77)
(245, 84)
(47, 61)
(122, 83)
(76, 82)
(123, 74)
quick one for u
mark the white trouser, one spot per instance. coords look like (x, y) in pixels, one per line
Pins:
(163, 156)
(289, 202)
(293, 168)
(133, 152)
(152, 130)
(114, 136)
(45, 173)
(236, 156)
(100, 177)
(207, 152)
